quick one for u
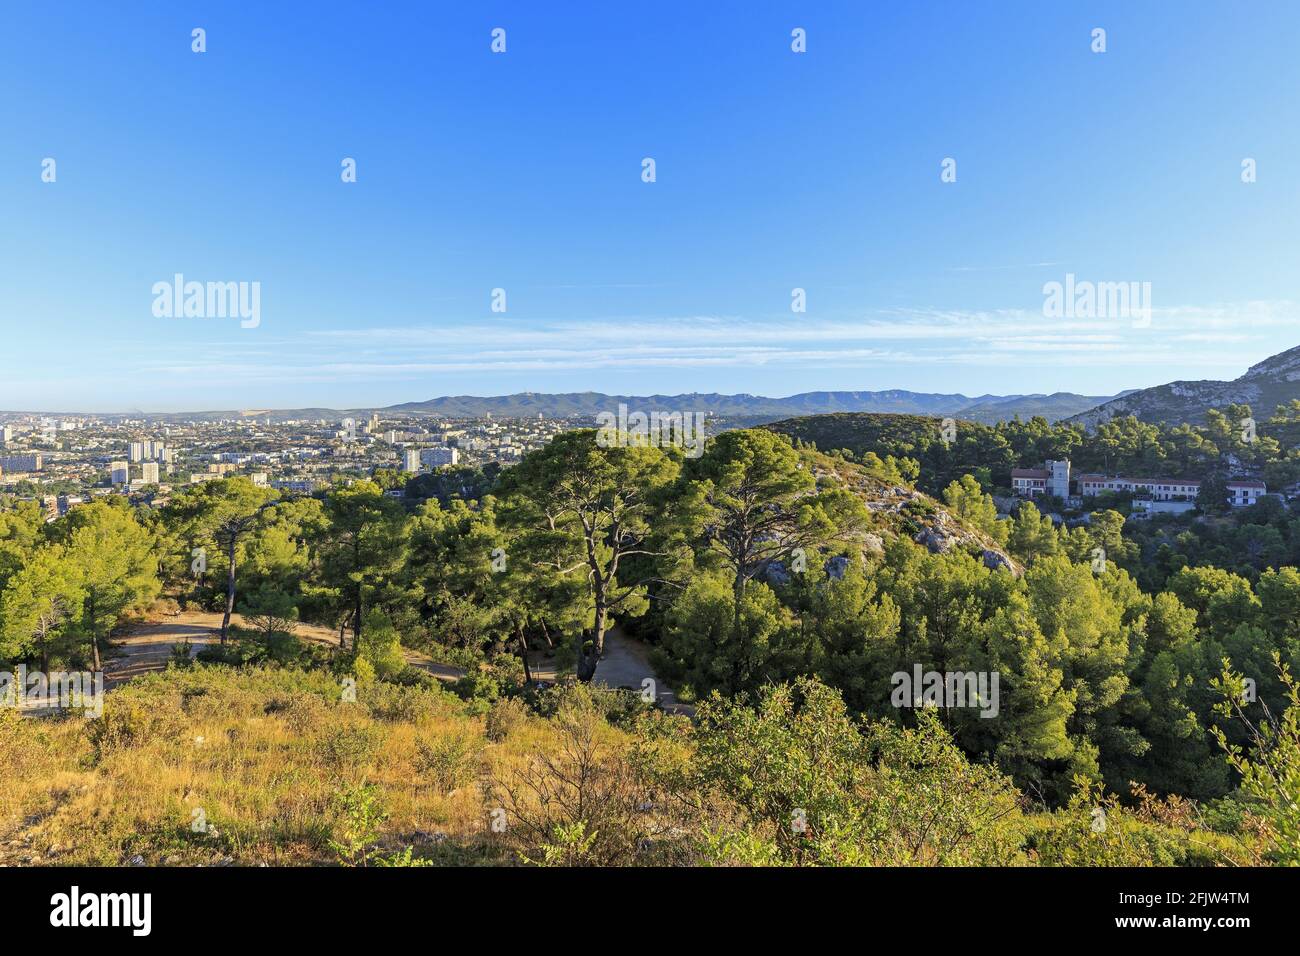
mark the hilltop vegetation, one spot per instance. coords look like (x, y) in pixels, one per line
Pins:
(1122, 445)
(218, 767)
(782, 590)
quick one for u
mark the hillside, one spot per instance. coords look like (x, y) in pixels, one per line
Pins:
(1265, 385)
(900, 511)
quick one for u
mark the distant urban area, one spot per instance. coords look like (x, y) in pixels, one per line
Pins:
(65, 461)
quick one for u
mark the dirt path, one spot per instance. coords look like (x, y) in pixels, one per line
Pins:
(147, 648)
(626, 663)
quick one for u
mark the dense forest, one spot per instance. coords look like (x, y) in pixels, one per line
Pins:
(781, 590)
(1268, 447)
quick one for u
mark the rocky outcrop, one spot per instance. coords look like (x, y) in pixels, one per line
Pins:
(1265, 385)
(906, 511)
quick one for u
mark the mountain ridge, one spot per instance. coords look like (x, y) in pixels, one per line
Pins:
(987, 408)
(1263, 386)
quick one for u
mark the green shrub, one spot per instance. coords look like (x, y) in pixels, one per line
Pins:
(395, 703)
(448, 761)
(130, 722)
(505, 717)
(350, 746)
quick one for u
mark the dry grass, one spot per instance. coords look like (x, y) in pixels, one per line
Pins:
(261, 758)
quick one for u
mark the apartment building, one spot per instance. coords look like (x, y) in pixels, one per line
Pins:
(437, 457)
(20, 463)
(1159, 489)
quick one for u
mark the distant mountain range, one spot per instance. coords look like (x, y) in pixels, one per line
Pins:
(589, 404)
(1265, 385)
(752, 409)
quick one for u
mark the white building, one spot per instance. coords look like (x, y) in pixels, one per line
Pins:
(120, 472)
(411, 460)
(15, 464)
(1159, 489)
(149, 473)
(1146, 506)
(437, 457)
(1052, 479)
(1242, 494)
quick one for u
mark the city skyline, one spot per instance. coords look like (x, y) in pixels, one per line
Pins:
(775, 171)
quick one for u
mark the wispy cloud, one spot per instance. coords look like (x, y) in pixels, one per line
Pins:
(1177, 337)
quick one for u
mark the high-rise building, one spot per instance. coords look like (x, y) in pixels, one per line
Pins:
(437, 457)
(120, 472)
(149, 472)
(6, 435)
(15, 463)
(135, 452)
(411, 460)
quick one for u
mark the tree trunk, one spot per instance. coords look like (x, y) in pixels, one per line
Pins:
(739, 601)
(94, 634)
(523, 653)
(230, 592)
(589, 658)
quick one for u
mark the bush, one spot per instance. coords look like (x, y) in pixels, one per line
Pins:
(134, 722)
(181, 655)
(448, 761)
(505, 717)
(478, 686)
(395, 703)
(380, 646)
(301, 711)
(350, 746)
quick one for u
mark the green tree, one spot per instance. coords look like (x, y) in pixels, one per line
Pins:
(966, 499)
(363, 550)
(114, 561)
(751, 501)
(37, 606)
(582, 510)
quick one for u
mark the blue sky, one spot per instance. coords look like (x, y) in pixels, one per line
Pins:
(522, 171)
